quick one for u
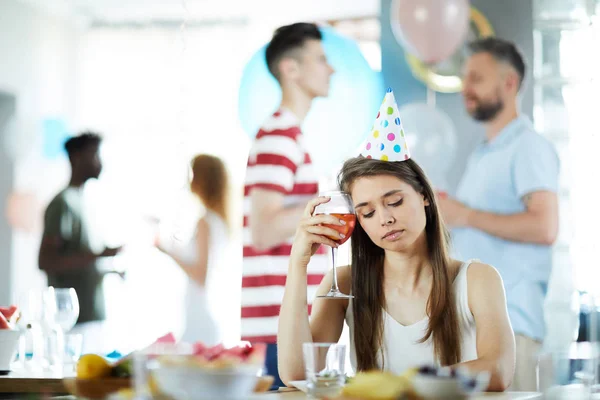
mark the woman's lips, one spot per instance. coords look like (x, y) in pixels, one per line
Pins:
(393, 235)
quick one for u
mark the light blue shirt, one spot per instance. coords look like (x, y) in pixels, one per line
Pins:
(499, 174)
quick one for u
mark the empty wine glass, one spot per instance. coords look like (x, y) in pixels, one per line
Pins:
(66, 310)
(340, 206)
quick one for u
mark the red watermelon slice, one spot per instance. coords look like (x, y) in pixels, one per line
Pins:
(241, 354)
(169, 338)
(9, 312)
(198, 349)
(214, 352)
(4, 322)
(241, 351)
(12, 313)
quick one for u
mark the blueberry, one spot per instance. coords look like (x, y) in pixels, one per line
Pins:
(428, 370)
(469, 385)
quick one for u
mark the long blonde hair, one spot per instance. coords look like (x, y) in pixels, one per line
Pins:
(367, 270)
(210, 182)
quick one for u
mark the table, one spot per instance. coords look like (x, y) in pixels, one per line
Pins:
(297, 395)
(33, 382)
(52, 383)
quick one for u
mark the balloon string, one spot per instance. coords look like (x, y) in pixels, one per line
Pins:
(430, 97)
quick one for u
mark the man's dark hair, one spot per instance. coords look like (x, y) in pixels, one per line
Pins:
(287, 39)
(82, 141)
(502, 51)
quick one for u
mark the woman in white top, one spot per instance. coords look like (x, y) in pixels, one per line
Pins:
(412, 303)
(205, 258)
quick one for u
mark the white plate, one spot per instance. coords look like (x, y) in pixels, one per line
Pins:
(300, 385)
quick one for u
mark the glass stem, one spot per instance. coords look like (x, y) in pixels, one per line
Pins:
(334, 284)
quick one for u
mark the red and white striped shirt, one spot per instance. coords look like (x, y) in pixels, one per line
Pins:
(278, 161)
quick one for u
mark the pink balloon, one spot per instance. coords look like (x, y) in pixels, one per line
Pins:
(432, 30)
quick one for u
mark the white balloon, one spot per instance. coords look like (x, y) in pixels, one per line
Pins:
(431, 139)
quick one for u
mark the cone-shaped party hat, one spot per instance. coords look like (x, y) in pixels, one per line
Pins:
(386, 141)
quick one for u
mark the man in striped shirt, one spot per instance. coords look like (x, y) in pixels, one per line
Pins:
(280, 180)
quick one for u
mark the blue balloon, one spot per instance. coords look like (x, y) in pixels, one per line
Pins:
(55, 134)
(336, 125)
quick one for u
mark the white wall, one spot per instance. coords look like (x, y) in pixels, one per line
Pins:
(37, 53)
(7, 109)
(158, 96)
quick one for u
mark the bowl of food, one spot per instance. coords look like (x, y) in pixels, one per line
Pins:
(9, 337)
(448, 384)
(209, 372)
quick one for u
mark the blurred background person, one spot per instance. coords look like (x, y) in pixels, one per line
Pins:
(66, 254)
(506, 210)
(205, 259)
(280, 179)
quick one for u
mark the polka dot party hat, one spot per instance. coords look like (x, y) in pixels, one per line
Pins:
(387, 141)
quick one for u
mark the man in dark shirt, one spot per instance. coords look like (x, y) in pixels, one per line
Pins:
(65, 253)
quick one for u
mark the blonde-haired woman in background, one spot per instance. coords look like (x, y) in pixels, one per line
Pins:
(205, 258)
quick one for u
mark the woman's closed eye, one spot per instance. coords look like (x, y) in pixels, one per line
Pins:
(369, 215)
(396, 204)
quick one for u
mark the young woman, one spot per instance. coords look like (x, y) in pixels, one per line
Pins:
(204, 258)
(412, 304)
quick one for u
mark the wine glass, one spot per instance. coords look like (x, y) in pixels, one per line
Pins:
(340, 206)
(67, 308)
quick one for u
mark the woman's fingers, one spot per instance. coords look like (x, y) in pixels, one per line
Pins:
(310, 207)
(325, 231)
(323, 219)
(320, 239)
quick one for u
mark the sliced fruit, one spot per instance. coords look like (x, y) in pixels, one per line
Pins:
(213, 352)
(239, 351)
(169, 338)
(376, 385)
(123, 368)
(92, 366)
(198, 349)
(3, 322)
(8, 312)
(11, 313)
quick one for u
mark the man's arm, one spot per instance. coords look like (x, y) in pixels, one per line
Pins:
(538, 224)
(198, 269)
(52, 259)
(535, 170)
(270, 222)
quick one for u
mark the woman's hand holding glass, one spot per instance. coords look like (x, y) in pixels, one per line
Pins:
(327, 220)
(312, 232)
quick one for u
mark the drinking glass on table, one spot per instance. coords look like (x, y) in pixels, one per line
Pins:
(340, 206)
(73, 350)
(568, 374)
(67, 308)
(31, 346)
(324, 368)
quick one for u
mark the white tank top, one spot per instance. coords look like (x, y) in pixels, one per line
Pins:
(401, 347)
(208, 310)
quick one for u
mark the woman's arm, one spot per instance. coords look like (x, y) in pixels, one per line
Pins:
(195, 271)
(325, 325)
(327, 315)
(495, 337)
